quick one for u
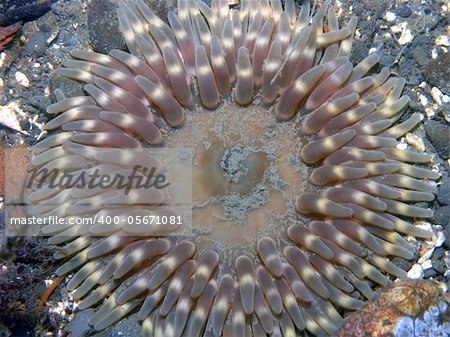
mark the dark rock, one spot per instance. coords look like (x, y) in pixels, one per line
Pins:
(421, 56)
(12, 11)
(441, 215)
(439, 266)
(421, 41)
(443, 196)
(162, 8)
(437, 72)
(360, 50)
(18, 305)
(439, 135)
(25, 124)
(40, 102)
(386, 60)
(438, 254)
(447, 237)
(103, 24)
(379, 8)
(69, 87)
(404, 11)
(429, 273)
(38, 43)
(403, 263)
(408, 70)
(427, 10)
(420, 49)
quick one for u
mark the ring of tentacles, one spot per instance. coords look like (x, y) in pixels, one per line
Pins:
(275, 90)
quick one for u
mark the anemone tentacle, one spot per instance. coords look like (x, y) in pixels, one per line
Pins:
(350, 222)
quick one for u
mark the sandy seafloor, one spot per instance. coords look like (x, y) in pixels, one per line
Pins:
(411, 36)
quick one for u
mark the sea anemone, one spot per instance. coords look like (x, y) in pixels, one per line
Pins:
(301, 195)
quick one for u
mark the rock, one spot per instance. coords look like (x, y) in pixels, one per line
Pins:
(416, 272)
(162, 8)
(103, 26)
(422, 41)
(12, 11)
(447, 236)
(443, 196)
(439, 135)
(79, 326)
(404, 11)
(39, 41)
(400, 310)
(403, 263)
(438, 254)
(379, 8)
(441, 215)
(22, 79)
(360, 50)
(437, 72)
(429, 273)
(40, 102)
(439, 265)
(420, 55)
(69, 87)
(409, 70)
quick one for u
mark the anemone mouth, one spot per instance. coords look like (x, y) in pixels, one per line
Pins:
(243, 182)
(300, 194)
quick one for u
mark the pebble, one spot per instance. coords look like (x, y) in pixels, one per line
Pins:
(415, 141)
(437, 95)
(416, 272)
(8, 116)
(389, 16)
(22, 79)
(423, 100)
(406, 37)
(443, 40)
(440, 236)
(427, 265)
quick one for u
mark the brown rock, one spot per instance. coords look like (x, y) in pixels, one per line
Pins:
(407, 298)
(7, 34)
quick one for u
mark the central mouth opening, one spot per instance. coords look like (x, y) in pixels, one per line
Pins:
(246, 174)
(243, 167)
